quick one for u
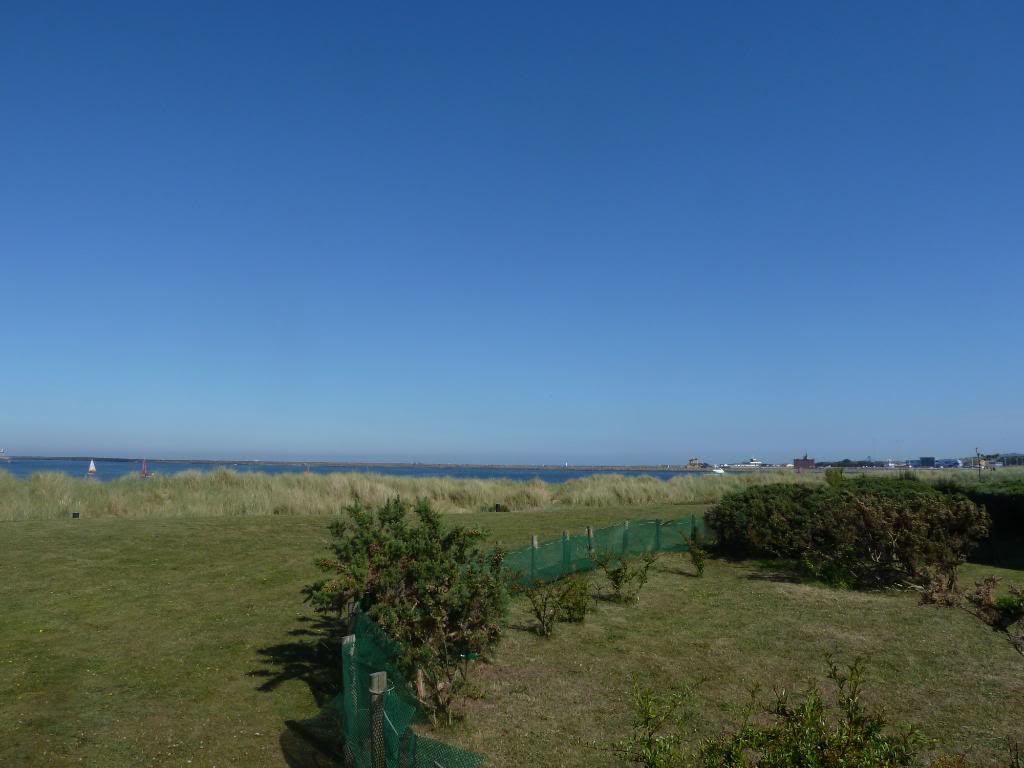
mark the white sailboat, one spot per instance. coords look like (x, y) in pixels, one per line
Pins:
(3, 455)
(92, 468)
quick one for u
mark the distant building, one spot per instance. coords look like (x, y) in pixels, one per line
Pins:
(928, 461)
(803, 464)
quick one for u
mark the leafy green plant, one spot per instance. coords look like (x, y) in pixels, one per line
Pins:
(698, 556)
(814, 731)
(575, 600)
(1004, 613)
(551, 602)
(1000, 612)
(655, 740)
(545, 599)
(626, 574)
(429, 587)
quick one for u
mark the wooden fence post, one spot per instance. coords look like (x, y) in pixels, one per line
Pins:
(625, 537)
(378, 741)
(533, 559)
(657, 535)
(566, 554)
(348, 649)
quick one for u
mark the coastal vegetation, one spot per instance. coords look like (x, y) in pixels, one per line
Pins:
(52, 495)
(861, 533)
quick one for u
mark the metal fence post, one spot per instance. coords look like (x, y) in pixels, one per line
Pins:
(566, 554)
(693, 527)
(533, 558)
(378, 741)
(625, 537)
(657, 535)
(590, 538)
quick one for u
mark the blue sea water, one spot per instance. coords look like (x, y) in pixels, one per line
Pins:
(110, 470)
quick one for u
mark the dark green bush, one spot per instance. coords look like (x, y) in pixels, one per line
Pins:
(575, 599)
(429, 587)
(760, 520)
(866, 532)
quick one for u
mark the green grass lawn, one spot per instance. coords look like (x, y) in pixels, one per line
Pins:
(130, 642)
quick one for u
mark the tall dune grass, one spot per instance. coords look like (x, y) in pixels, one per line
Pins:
(51, 495)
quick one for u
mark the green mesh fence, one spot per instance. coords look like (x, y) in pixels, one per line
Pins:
(372, 727)
(554, 560)
(372, 730)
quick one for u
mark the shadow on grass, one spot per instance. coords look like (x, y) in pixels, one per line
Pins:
(681, 571)
(1005, 553)
(313, 657)
(778, 577)
(303, 748)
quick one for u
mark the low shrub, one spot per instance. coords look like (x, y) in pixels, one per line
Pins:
(627, 575)
(815, 730)
(563, 600)
(864, 533)
(394, 569)
(1000, 612)
(575, 600)
(941, 589)
(698, 556)
(545, 605)
(655, 740)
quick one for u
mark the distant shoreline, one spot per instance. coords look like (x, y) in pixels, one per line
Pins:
(370, 465)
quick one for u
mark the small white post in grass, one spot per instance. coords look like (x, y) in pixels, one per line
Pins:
(533, 558)
(378, 749)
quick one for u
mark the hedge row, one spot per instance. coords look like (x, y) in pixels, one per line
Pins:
(862, 532)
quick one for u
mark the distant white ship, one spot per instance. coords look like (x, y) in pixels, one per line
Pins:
(752, 464)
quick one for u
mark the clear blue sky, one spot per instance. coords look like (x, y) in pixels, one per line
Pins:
(614, 232)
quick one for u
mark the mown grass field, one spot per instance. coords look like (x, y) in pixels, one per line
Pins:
(160, 642)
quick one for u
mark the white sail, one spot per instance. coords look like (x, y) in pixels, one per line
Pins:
(92, 467)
